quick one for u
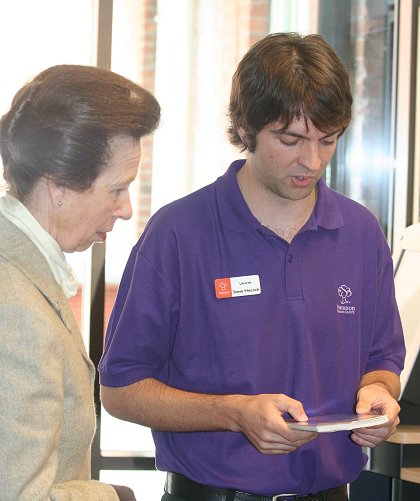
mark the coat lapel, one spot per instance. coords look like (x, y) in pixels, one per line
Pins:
(21, 252)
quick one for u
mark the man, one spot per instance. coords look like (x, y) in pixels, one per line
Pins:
(263, 296)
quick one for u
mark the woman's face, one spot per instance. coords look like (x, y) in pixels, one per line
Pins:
(85, 218)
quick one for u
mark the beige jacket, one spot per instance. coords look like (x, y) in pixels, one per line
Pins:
(47, 416)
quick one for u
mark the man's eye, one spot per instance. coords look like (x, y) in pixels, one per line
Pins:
(288, 143)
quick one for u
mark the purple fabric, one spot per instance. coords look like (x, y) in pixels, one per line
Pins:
(325, 316)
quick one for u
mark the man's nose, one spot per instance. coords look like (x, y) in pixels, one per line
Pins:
(310, 156)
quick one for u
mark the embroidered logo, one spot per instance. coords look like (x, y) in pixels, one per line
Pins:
(344, 293)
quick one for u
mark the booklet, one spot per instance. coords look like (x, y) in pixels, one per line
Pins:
(338, 422)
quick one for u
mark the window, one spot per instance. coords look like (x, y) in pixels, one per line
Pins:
(186, 52)
(197, 45)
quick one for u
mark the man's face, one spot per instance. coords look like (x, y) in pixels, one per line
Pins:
(289, 162)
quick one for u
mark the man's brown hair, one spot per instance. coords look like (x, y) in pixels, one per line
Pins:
(285, 77)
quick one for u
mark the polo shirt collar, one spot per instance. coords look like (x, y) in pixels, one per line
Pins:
(327, 212)
(236, 215)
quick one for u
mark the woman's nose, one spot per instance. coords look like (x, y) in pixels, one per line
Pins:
(124, 209)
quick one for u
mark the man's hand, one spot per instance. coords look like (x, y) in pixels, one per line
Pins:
(260, 419)
(376, 399)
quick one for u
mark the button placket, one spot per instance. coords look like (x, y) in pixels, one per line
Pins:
(294, 290)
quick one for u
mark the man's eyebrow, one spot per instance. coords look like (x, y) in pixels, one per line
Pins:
(288, 132)
(329, 134)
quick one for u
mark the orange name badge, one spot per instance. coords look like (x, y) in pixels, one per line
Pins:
(237, 286)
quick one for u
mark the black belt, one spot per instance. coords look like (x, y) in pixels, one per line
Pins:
(184, 488)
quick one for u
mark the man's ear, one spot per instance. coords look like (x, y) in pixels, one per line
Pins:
(243, 135)
(246, 139)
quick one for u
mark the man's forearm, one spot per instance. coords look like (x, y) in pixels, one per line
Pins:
(156, 405)
(388, 380)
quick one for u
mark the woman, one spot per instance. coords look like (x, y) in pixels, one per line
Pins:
(70, 146)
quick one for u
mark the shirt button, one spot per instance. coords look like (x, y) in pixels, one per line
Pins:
(290, 258)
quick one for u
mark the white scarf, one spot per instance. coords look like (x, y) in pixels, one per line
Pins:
(18, 214)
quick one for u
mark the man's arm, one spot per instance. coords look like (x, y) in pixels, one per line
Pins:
(156, 405)
(378, 393)
(388, 380)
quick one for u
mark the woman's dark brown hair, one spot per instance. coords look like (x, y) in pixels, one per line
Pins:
(60, 125)
(285, 77)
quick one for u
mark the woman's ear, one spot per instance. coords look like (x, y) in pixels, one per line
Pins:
(57, 193)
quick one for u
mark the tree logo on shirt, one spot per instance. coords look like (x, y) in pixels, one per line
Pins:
(344, 292)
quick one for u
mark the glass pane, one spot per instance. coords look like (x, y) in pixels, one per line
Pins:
(117, 435)
(41, 22)
(362, 34)
(133, 42)
(35, 35)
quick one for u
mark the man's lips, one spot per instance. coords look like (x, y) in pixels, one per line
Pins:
(102, 235)
(302, 181)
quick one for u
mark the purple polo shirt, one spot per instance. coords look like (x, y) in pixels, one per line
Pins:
(325, 315)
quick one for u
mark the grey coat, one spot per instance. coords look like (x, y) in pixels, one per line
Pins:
(47, 416)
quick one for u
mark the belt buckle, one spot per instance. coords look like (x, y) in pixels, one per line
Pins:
(278, 497)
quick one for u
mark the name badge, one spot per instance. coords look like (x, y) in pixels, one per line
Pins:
(237, 286)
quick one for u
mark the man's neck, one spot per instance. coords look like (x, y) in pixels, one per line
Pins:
(282, 216)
